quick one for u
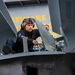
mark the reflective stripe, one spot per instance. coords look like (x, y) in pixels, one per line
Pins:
(19, 35)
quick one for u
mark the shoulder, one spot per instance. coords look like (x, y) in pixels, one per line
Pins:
(35, 30)
(20, 33)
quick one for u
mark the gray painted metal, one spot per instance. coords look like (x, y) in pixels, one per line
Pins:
(4, 10)
(46, 36)
(56, 18)
(29, 54)
(25, 44)
(68, 24)
(60, 23)
(7, 28)
(5, 31)
(16, 0)
(55, 15)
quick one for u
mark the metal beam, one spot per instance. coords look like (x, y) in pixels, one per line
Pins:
(47, 38)
(55, 15)
(16, 0)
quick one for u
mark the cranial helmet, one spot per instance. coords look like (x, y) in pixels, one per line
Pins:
(27, 21)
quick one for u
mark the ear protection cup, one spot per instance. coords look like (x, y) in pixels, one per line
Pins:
(22, 26)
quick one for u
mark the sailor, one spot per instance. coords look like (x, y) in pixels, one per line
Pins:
(27, 31)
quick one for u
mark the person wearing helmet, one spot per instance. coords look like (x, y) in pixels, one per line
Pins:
(27, 31)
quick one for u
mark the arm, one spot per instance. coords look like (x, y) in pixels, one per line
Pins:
(20, 41)
(31, 41)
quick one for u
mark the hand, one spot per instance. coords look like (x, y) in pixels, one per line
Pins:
(35, 42)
